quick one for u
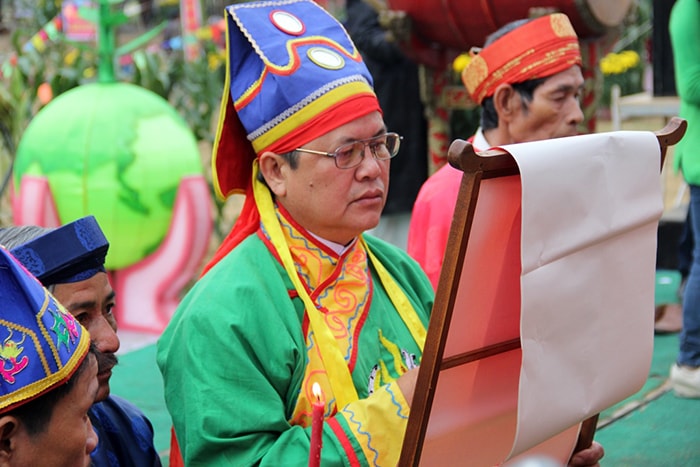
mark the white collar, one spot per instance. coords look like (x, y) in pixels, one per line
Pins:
(338, 248)
(480, 143)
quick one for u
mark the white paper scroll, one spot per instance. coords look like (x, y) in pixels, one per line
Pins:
(561, 257)
(590, 211)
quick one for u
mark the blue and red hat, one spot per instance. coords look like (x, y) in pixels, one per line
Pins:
(41, 343)
(293, 74)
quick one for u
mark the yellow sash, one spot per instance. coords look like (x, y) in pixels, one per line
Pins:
(340, 378)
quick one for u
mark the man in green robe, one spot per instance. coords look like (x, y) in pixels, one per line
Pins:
(297, 296)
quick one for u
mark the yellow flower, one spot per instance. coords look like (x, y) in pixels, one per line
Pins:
(461, 62)
(615, 64)
(214, 60)
(71, 57)
(630, 58)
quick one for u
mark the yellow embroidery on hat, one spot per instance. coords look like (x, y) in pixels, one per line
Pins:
(561, 26)
(475, 73)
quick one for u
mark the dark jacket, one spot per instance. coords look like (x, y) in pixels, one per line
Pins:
(397, 86)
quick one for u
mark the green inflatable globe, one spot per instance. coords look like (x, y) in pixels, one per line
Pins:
(117, 151)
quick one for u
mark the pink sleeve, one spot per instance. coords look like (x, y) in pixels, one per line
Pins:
(431, 220)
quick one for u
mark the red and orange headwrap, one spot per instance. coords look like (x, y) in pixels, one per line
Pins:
(537, 49)
(293, 74)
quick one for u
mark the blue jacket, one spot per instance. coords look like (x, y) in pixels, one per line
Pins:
(125, 435)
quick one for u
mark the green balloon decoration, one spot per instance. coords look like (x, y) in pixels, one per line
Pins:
(114, 150)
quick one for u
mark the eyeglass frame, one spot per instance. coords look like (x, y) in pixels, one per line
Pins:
(365, 142)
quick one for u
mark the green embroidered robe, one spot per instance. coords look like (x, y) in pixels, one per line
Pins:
(235, 355)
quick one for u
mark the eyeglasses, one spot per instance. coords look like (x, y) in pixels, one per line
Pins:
(350, 155)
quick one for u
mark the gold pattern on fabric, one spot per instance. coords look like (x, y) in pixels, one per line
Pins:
(561, 27)
(551, 57)
(478, 72)
(492, 81)
(341, 290)
(339, 387)
(341, 382)
(539, 48)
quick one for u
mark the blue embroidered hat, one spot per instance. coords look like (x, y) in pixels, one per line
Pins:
(293, 74)
(71, 253)
(42, 344)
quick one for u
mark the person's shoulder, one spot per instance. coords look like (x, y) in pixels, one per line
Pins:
(116, 416)
(119, 401)
(242, 265)
(391, 256)
(249, 276)
(117, 406)
(377, 244)
(125, 434)
(445, 179)
(445, 173)
(248, 251)
(403, 269)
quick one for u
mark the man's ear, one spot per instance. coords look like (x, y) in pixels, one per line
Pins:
(274, 168)
(507, 102)
(9, 428)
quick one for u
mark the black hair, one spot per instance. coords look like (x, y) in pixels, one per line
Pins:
(36, 414)
(292, 157)
(526, 89)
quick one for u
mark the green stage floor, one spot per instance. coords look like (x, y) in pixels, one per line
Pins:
(652, 428)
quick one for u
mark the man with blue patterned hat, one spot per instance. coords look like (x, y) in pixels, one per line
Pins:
(69, 261)
(297, 295)
(47, 376)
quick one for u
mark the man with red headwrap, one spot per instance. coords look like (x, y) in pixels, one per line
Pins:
(528, 81)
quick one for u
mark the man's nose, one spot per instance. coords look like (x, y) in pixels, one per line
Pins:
(576, 113)
(104, 336)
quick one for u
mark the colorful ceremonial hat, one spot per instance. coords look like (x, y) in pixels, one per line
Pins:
(537, 49)
(71, 253)
(293, 74)
(42, 344)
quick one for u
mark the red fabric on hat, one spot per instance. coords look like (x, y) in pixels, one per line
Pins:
(249, 218)
(540, 48)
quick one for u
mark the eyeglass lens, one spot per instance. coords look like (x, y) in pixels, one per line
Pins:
(382, 147)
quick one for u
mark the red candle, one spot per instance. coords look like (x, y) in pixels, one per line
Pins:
(319, 407)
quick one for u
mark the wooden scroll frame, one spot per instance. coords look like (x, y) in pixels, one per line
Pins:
(476, 167)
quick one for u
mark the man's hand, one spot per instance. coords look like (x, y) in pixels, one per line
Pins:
(590, 456)
(407, 384)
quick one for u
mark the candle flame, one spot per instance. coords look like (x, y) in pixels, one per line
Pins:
(316, 390)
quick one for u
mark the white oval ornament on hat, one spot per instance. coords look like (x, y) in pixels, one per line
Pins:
(325, 58)
(287, 22)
